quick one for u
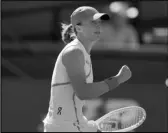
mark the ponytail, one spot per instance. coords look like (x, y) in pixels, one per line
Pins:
(67, 33)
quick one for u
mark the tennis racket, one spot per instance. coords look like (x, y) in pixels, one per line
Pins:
(122, 120)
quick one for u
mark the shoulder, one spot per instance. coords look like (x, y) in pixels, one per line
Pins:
(72, 50)
(72, 53)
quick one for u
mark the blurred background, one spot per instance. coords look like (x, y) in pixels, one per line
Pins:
(31, 41)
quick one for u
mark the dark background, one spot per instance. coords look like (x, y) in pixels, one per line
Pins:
(30, 39)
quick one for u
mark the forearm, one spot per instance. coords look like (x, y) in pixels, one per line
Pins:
(96, 89)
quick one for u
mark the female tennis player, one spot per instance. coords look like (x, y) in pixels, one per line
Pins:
(72, 79)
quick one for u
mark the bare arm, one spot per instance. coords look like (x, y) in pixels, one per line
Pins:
(73, 60)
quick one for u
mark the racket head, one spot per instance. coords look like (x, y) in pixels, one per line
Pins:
(122, 120)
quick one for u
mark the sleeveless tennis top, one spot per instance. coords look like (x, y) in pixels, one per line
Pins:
(64, 105)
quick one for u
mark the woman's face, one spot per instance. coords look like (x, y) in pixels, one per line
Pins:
(91, 29)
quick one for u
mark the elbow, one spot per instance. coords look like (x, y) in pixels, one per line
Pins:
(83, 93)
(85, 97)
(80, 91)
(82, 96)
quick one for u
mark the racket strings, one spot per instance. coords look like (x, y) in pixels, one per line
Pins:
(136, 118)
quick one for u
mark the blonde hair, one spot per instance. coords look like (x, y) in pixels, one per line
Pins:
(68, 33)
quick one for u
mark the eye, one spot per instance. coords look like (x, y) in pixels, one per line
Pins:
(95, 22)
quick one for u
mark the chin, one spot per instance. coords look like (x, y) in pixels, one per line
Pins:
(96, 40)
(95, 37)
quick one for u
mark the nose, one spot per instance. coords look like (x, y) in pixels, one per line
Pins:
(98, 26)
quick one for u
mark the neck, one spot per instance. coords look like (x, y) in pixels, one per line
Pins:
(86, 43)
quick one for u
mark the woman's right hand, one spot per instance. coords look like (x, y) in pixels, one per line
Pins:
(124, 74)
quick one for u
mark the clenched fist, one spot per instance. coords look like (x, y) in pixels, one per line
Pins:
(124, 74)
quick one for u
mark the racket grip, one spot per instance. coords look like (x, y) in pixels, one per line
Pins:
(112, 82)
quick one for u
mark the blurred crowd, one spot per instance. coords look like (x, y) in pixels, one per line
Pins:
(36, 25)
(118, 33)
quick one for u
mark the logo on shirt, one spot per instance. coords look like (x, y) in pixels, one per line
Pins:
(59, 110)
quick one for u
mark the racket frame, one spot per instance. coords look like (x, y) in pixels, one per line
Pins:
(119, 110)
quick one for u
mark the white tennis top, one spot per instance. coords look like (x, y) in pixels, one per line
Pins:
(64, 104)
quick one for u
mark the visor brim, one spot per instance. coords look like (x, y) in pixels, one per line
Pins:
(101, 16)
